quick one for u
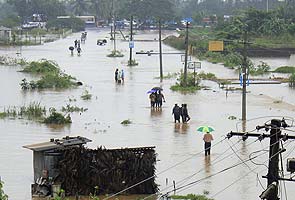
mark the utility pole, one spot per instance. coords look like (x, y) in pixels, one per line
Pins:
(271, 193)
(273, 164)
(160, 50)
(131, 39)
(244, 77)
(186, 54)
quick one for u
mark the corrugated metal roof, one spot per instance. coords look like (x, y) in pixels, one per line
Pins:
(58, 143)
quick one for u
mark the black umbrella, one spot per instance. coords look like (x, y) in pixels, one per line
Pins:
(157, 88)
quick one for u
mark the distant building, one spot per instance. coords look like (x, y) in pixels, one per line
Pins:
(88, 20)
(5, 34)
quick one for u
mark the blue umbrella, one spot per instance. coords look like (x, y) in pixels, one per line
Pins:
(151, 91)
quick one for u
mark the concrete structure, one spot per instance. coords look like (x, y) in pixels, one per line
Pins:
(5, 34)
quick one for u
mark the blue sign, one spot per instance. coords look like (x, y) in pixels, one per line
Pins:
(241, 80)
(188, 19)
(131, 44)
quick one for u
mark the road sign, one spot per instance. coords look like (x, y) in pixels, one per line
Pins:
(188, 19)
(189, 58)
(131, 44)
(194, 65)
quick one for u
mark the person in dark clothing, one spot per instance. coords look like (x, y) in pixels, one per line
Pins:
(76, 43)
(79, 50)
(159, 99)
(116, 75)
(207, 139)
(176, 112)
(184, 114)
(153, 99)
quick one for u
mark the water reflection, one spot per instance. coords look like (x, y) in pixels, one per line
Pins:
(156, 112)
(181, 128)
(207, 165)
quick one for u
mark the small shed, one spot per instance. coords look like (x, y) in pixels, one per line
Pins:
(5, 34)
(45, 156)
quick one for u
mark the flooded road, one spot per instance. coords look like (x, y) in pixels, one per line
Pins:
(179, 147)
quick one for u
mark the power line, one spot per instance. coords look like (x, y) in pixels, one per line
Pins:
(241, 177)
(182, 181)
(138, 183)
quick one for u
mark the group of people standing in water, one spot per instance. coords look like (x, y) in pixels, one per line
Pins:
(157, 99)
(119, 76)
(180, 112)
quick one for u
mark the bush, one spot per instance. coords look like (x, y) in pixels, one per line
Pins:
(73, 23)
(285, 69)
(115, 54)
(190, 197)
(292, 80)
(57, 118)
(192, 84)
(56, 81)
(86, 95)
(3, 196)
(41, 67)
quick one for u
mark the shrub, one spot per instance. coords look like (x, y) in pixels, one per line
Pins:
(285, 69)
(58, 81)
(86, 95)
(292, 80)
(41, 67)
(126, 122)
(57, 118)
(3, 196)
(115, 54)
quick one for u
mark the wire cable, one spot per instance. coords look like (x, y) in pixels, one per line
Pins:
(184, 180)
(241, 177)
(175, 165)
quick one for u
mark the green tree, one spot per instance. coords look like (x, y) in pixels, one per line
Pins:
(80, 7)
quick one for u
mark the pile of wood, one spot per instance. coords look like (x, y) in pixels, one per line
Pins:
(81, 170)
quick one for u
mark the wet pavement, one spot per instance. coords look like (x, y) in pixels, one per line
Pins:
(111, 103)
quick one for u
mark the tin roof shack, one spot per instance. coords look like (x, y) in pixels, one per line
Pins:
(79, 170)
(45, 155)
(5, 34)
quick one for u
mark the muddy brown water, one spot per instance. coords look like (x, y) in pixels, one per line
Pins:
(175, 144)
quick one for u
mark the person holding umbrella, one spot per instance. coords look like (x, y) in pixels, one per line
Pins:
(207, 138)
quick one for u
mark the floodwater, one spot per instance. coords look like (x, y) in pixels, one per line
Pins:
(179, 146)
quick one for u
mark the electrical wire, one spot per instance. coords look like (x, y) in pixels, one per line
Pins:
(241, 177)
(246, 165)
(184, 180)
(175, 165)
(187, 186)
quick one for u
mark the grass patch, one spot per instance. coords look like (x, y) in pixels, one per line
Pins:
(192, 83)
(115, 54)
(57, 118)
(168, 76)
(207, 76)
(51, 76)
(190, 197)
(285, 69)
(41, 67)
(33, 111)
(292, 80)
(132, 63)
(126, 122)
(6, 60)
(86, 95)
(69, 109)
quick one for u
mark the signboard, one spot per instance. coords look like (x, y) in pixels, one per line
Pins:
(194, 65)
(189, 58)
(131, 44)
(215, 45)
